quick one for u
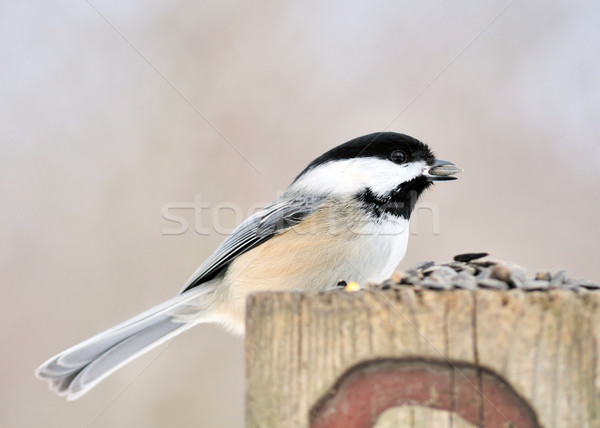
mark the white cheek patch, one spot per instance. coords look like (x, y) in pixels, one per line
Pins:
(350, 176)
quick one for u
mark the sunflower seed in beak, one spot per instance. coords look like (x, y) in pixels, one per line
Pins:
(444, 170)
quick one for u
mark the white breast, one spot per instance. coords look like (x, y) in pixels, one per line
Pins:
(381, 248)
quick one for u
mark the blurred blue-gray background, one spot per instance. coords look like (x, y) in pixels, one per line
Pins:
(110, 111)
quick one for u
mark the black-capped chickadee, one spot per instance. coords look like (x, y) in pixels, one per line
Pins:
(344, 217)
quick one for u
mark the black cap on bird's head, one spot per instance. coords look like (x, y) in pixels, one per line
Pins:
(378, 145)
(394, 147)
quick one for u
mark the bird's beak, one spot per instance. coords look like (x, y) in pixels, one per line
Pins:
(441, 170)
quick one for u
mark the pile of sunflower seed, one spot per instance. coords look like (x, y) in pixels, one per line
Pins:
(469, 272)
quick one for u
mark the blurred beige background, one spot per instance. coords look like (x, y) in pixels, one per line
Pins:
(95, 141)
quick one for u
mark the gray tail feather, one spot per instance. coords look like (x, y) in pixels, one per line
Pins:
(78, 369)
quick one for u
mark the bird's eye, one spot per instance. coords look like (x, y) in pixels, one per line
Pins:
(398, 156)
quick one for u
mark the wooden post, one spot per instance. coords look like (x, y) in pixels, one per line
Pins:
(423, 358)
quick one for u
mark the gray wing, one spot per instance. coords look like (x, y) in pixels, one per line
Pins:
(280, 215)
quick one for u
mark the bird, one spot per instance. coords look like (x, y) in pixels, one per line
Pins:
(344, 217)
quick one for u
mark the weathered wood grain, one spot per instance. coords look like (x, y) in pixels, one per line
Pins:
(545, 345)
(420, 417)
